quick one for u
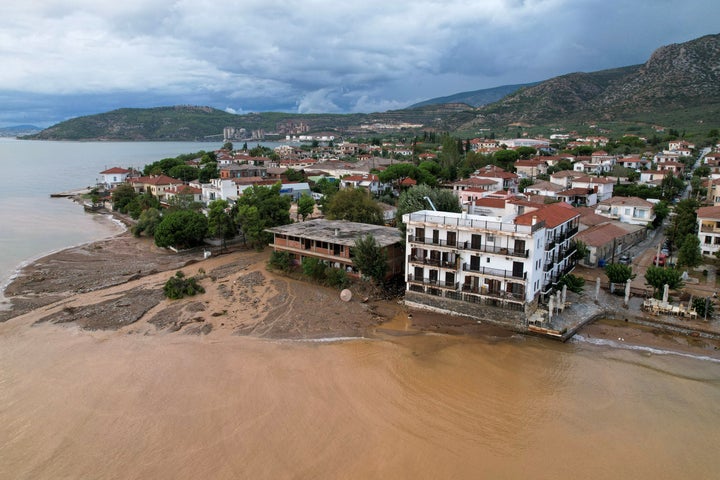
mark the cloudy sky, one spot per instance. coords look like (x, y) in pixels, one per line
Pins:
(64, 58)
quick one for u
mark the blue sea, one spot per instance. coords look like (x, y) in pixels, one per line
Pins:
(31, 223)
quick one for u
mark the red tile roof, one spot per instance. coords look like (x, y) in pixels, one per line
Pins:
(708, 212)
(553, 214)
(157, 180)
(490, 202)
(601, 234)
(114, 170)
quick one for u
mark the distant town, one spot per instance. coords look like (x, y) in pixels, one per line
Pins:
(497, 229)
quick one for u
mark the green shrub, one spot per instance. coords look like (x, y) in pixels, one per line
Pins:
(280, 261)
(314, 268)
(178, 286)
(336, 277)
(574, 284)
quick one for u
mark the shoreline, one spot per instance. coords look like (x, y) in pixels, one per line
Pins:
(73, 285)
(121, 226)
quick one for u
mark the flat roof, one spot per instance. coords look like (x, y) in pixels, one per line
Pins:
(340, 232)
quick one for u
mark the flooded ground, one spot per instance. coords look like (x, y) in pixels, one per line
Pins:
(78, 404)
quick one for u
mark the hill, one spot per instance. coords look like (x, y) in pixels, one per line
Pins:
(183, 123)
(476, 98)
(679, 84)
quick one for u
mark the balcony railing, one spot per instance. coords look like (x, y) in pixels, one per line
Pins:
(477, 222)
(432, 261)
(432, 282)
(431, 241)
(498, 294)
(495, 272)
(498, 250)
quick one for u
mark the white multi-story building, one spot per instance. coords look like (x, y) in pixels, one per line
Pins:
(708, 219)
(464, 263)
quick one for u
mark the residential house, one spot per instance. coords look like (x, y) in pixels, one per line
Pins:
(465, 263)
(634, 162)
(503, 179)
(653, 177)
(185, 192)
(603, 186)
(545, 188)
(242, 171)
(564, 178)
(531, 168)
(157, 185)
(631, 210)
(578, 196)
(331, 241)
(675, 145)
(708, 219)
(367, 181)
(113, 177)
(606, 241)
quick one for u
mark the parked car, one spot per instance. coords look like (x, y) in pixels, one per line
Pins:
(625, 260)
(660, 260)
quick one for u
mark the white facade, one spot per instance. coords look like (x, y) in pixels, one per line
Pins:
(485, 260)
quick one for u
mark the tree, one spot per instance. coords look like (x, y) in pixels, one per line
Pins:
(661, 211)
(227, 146)
(305, 206)
(574, 283)
(369, 258)
(581, 250)
(122, 196)
(262, 207)
(141, 203)
(690, 254)
(450, 155)
(181, 229)
(619, 273)
(684, 222)
(658, 277)
(221, 223)
(506, 157)
(208, 171)
(704, 306)
(524, 183)
(354, 205)
(295, 175)
(147, 223)
(413, 200)
(526, 152)
(184, 172)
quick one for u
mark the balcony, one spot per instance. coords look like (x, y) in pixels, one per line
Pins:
(433, 262)
(431, 241)
(518, 297)
(495, 272)
(507, 251)
(432, 282)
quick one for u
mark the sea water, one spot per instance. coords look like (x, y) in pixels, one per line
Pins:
(33, 224)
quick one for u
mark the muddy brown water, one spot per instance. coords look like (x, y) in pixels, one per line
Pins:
(76, 404)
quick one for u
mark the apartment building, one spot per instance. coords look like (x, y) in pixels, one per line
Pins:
(464, 263)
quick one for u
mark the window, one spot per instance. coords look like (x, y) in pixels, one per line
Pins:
(708, 239)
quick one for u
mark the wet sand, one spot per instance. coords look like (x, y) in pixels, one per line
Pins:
(101, 377)
(117, 284)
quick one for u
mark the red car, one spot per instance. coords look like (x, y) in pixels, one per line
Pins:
(659, 260)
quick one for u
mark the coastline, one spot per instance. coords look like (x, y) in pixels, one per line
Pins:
(116, 284)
